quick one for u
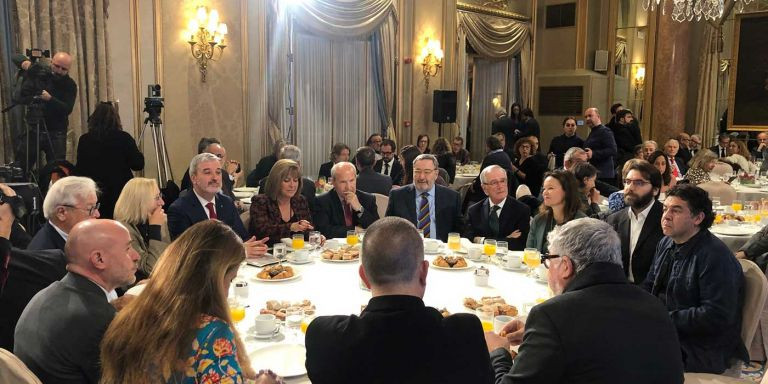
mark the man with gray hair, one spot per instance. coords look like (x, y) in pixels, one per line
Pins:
(396, 338)
(344, 207)
(432, 208)
(597, 329)
(206, 201)
(292, 152)
(572, 156)
(649, 147)
(68, 202)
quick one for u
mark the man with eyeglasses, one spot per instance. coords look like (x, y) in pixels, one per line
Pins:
(68, 202)
(388, 164)
(598, 329)
(638, 224)
(58, 100)
(434, 209)
(498, 217)
(458, 151)
(696, 277)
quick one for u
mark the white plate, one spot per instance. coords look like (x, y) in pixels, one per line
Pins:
(292, 261)
(735, 230)
(470, 265)
(246, 189)
(540, 281)
(340, 261)
(286, 360)
(296, 275)
(241, 195)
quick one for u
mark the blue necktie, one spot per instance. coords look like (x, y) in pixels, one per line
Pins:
(424, 220)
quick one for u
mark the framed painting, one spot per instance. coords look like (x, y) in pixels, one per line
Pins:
(748, 93)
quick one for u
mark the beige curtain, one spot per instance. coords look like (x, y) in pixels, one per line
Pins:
(79, 28)
(462, 94)
(342, 19)
(490, 80)
(706, 102)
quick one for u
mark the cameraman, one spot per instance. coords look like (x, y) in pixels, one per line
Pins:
(58, 98)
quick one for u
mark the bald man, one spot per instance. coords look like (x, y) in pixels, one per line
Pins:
(600, 146)
(344, 207)
(57, 97)
(59, 332)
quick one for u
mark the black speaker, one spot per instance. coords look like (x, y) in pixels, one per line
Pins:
(444, 106)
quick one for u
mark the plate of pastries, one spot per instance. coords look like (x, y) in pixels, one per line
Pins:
(278, 308)
(277, 272)
(497, 303)
(453, 263)
(345, 254)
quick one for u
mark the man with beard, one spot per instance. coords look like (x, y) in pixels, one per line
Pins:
(638, 223)
(600, 146)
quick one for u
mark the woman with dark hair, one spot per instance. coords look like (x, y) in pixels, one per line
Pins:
(107, 155)
(526, 167)
(516, 115)
(445, 159)
(407, 155)
(561, 204)
(339, 152)
(422, 143)
(659, 160)
(586, 175)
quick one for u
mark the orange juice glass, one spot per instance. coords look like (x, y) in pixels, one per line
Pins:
(352, 238)
(297, 242)
(237, 313)
(737, 205)
(454, 241)
(489, 249)
(531, 257)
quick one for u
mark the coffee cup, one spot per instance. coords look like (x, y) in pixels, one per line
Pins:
(514, 260)
(542, 272)
(500, 321)
(265, 324)
(431, 246)
(474, 252)
(241, 289)
(332, 244)
(301, 256)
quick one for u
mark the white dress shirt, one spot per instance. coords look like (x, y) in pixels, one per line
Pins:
(204, 202)
(389, 169)
(500, 205)
(636, 223)
(63, 234)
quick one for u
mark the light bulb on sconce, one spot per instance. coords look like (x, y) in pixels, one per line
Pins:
(431, 61)
(205, 34)
(639, 80)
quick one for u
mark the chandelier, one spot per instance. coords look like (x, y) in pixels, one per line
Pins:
(695, 10)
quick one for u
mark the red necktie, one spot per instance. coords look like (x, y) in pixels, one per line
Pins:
(348, 221)
(673, 164)
(211, 211)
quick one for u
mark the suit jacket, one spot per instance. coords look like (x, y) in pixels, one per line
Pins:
(187, 210)
(370, 181)
(716, 150)
(329, 216)
(261, 171)
(402, 203)
(645, 248)
(226, 183)
(396, 173)
(325, 170)
(28, 273)
(46, 238)
(680, 166)
(149, 248)
(307, 190)
(506, 126)
(397, 339)
(514, 216)
(503, 160)
(60, 343)
(685, 156)
(600, 330)
(603, 146)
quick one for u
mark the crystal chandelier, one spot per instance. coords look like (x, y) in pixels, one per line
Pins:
(690, 10)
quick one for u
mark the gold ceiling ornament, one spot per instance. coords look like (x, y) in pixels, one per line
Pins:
(498, 4)
(695, 10)
(467, 7)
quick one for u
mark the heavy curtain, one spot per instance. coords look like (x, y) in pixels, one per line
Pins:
(79, 28)
(342, 75)
(706, 101)
(490, 79)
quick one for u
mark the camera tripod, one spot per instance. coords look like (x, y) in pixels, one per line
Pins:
(35, 124)
(155, 124)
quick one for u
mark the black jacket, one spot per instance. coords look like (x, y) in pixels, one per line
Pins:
(645, 248)
(396, 173)
(261, 171)
(600, 330)
(46, 238)
(402, 203)
(186, 211)
(371, 181)
(514, 216)
(329, 215)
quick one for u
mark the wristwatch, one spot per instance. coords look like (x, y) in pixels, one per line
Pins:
(360, 212)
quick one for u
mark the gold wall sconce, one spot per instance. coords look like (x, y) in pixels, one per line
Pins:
(431, 61)
(639, 80)
(205, 35)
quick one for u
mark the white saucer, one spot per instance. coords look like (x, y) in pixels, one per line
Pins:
(292, 261)
(521, 268)
(274, 335)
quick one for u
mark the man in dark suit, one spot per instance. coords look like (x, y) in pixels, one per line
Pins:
(388, 165)
(369, 180)
(292, 152)
(721, 149)
(598, 329)
(344, 207)
(264, 165)
(396, 338)
(498, 217)
(684, 153)
(438, 210)
(230, 169)
(205, 201)
(68, 202)
(600, 146)
(504, 125)
(677, 167)
(496, 156)
(638, 224)
(59, 332)
(627, 135)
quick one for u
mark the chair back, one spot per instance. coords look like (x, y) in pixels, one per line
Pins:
(13, 370)
(245, 217)
(722, 168)
(721, 190)
(381, 204)
(755, 293)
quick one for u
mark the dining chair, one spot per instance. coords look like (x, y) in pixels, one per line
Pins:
(381, 204)
(721, 190)
(13, 370)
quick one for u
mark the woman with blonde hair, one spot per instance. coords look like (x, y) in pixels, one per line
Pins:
(281, 210)
(739, 155)
(140, 209)
(179, 330)
(701, 165)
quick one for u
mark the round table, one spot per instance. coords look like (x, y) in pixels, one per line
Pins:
(462, 179)
(334, 289)
(732, 240)
(748, 193)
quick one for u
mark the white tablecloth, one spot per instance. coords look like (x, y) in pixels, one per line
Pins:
(734, 242)
(334, 288)
(463, 178)
(747, 193)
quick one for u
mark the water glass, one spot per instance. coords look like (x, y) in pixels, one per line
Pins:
(293, 318)
(314, 240)
(501, 248)
(278, 250)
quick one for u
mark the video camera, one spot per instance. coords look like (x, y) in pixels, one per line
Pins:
(35, 79)
(153, 103)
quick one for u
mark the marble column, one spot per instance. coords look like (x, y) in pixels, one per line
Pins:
(670, 78)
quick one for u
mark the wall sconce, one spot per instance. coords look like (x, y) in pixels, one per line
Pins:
(639, 80)
(431, 62)
(205, 34)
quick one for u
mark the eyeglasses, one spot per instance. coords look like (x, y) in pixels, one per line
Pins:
(639, 183)
(90, 210)
(497, 182)
(545, 257)
(425, 172)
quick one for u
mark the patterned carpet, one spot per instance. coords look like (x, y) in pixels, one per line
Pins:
(753, 371)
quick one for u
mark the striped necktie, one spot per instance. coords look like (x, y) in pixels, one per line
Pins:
(424, 219)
